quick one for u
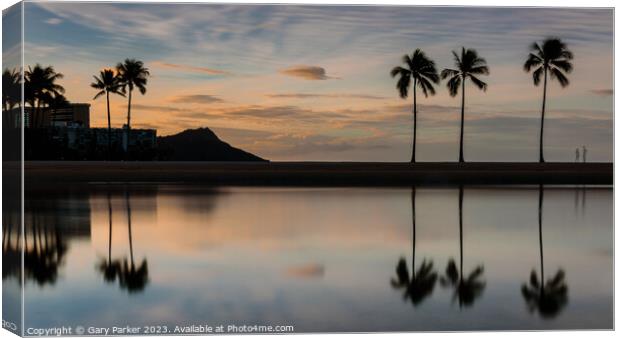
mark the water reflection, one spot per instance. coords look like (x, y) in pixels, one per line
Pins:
(421, 283)
(130, 277)
(550, 297)
(199, 253)
(466, 289)
(45, 246)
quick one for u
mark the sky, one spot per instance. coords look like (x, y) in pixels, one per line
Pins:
(312, 82)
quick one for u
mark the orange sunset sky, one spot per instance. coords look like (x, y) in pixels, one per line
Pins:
(313, 83)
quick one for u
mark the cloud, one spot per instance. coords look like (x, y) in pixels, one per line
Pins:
(311, 270)
(156, 108)
(53, 21)
(603, 92)
(310, 96)
(190, 68)
(307, 72)
(290, 113)
(196, 99)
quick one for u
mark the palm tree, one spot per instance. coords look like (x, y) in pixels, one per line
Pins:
(40, 85)
(468, 65)
(11, 89)
(11, 93)
(421, 283)
(107, 82)
(132, 74)
(547, 297)
(466, 289)
(422, 70)
(552, 57)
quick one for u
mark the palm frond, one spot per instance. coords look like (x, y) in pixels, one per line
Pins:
(453, 85)
(537, 74)
(557, 74)
(564, 65)
(479, 83)
(449, 73)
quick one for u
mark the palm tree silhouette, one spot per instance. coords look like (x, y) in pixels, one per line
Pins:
(132, 73)
(466, 289)
(40, 84)
(547, 297)
(468, 65)
(107, 82)
(552, 57)
(422, 70)
(421, 283)
(11, 89)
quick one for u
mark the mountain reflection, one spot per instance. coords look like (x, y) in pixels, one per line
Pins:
(466, 289)
(422, 282)
(550, 297)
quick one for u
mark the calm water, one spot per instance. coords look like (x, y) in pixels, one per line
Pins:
(320, 259)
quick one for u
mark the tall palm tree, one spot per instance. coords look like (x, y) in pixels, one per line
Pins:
(107, 82)
(468, 66)
(422, 70)
(11, 96)
(11, 89)
(553, 57)
(466, 289)
(132, 74)
(421, 283)
(40, 84)
(547, 297)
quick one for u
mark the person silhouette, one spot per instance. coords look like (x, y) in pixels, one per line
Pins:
(584, 154)
(576, 154)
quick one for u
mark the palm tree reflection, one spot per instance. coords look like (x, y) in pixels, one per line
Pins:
(421, 283)
(548, 298)
(109, 268)
(131, 277)
(466, 289)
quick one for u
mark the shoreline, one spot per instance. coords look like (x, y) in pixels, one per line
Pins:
(313, 173)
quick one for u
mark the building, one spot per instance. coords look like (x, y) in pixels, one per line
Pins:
(74, 114)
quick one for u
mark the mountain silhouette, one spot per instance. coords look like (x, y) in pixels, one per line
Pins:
(200, 145)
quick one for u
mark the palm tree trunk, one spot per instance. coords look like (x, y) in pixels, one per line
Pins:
(541, 159)
(540, 238)
(461, 158)
(415, 121)
(129, 226)
(107, 94)
(413, 226)
(128, 119)
(461, 230)
(110, 225)
(39, 118)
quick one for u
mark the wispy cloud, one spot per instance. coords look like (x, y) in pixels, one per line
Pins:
(53, 21)
(190, 68)
(157, 108)
(333, 96)
(312, 270)
(205, 99)
(307, 72)
(603, 92)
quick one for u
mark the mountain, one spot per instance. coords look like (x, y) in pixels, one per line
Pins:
(200, 145)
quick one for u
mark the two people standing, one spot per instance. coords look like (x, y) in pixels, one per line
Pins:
(585, 152)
